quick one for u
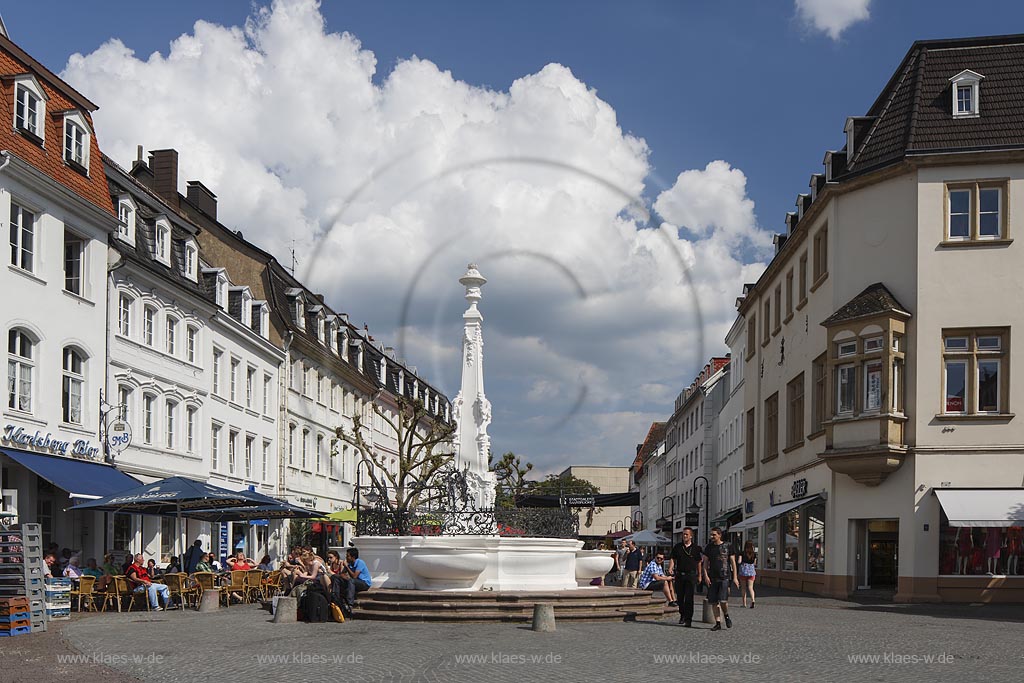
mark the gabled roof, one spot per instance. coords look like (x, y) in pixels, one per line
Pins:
(914, 111)
(874, 300)
(655, 435)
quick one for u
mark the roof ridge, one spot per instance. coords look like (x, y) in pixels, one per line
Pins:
(878, 119)
(916, 100)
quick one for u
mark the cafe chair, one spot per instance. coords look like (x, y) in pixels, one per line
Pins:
(84, 592)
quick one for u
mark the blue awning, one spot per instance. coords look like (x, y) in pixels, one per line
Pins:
(80, 478)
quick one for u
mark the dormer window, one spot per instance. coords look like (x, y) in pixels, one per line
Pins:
(162, 242)
(300, 313)
(222, 290)
(965, 94)
(126, 218)
(246, 307)
(76, 142)
(29, 107)
(191, 261)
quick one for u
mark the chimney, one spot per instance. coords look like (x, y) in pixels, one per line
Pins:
(164, 163)
(199, 196)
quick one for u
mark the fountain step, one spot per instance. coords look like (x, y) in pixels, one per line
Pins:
(598, 604)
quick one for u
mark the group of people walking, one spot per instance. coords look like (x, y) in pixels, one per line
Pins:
(716, 566)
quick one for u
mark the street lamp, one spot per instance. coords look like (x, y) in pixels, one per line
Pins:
(671, 515)
(695, 509)
(638, 520)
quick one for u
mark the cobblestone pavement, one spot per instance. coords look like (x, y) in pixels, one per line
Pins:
(46, 656)
(787, 637)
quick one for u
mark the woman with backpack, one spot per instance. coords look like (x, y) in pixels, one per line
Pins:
(748, 572)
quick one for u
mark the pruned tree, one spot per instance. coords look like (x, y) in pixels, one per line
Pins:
(510, 474)
(424, 447)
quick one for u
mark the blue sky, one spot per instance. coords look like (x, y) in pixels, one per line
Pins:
(744, 81)
(719, 111)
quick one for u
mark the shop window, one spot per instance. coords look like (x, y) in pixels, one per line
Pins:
(753, 535)
(771, 544)
(168, 533)
(816, 537)
(791, 540)
(122, 532)
(979, 551)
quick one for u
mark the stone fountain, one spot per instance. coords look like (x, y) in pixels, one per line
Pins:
(471, 555)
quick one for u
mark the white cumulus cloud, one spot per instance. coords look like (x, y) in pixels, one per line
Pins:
(832, 16)
(389, 184)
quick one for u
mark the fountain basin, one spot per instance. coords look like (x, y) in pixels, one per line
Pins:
(591, 564)
(445, 562)
(440, 568)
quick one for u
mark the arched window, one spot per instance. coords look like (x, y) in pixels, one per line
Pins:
(20, 370)
(171, 414)
(172, 335)
(148, 416)
(149, 326)
(72, 388)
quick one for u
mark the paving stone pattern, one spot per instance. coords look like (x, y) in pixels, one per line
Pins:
(786, 638)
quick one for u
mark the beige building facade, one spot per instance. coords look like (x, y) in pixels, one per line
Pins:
(882, 449)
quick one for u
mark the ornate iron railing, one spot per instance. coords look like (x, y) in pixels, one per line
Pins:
(449, 509)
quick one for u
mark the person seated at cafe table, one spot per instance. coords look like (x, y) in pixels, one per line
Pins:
(240, 562)
(154, 571)
(140, 581)
(204, 563)
(172, 566)
(288, 567)
(128, 560)
(266, 564)
(73, 571)
(92, 570)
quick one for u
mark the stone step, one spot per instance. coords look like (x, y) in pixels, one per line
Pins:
(467, 605)
(515, 617)
(506, 596)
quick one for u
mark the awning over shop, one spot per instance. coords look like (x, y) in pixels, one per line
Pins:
(80, 478)
(983, 507)
(729, 518)
(773, 511)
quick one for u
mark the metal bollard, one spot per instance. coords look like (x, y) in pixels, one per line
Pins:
(543, 617)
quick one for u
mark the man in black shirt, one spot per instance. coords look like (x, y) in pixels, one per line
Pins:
(719, 567)
(684, 563)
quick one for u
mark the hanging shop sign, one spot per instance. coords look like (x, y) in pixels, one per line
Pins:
(47, 443)
(799, 489)
(119, 436)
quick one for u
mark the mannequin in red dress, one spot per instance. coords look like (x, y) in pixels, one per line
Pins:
(1013, 547)
(993, 548)
(964, 550)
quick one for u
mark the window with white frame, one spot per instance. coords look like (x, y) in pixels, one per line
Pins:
(291, 444)
(29, 107)
(215, 371)
(124, 403)
(20, 370)
(191, 342)
(965, 91)
(162, 243)
(191, 261)
(974, 371)
(72, 386)
(305, 448)
(848, 348)
(23, 233)
(873, 385)
(124, 314)
(74, 261)
(232, 445)
(233, 386)
(170, 422)
(148, 416)
(250, 386)
(265, 460)
(148, 325)
(266, 394)
(250, 442)
(171, 330)
(319, 453)
(975, 211)
(126, 220)
(215, 446)
(190, 429)
(76, 141)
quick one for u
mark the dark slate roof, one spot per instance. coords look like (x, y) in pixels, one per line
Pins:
(874, 300)
(914, 111)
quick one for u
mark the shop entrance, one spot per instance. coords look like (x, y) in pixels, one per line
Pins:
(878, 554)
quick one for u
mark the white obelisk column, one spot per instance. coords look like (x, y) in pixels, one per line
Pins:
(472, 409)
